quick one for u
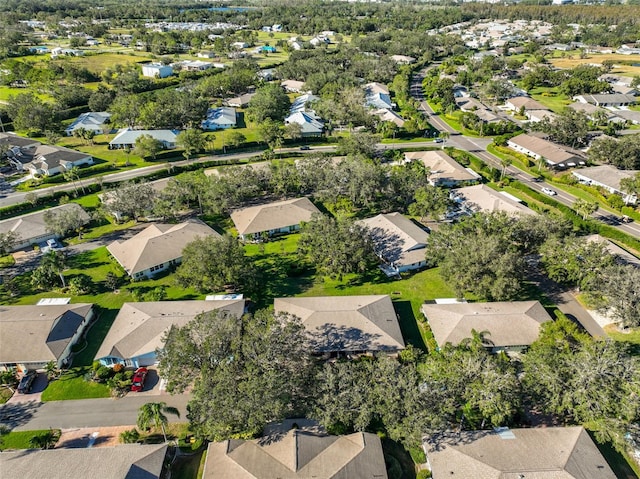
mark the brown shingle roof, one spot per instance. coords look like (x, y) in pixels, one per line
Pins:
(346, 323)
(273, 216)
(514, 323)
(157, 244)
(540, 453)
(297, 455)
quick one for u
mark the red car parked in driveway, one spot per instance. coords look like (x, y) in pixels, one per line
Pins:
(138, 379)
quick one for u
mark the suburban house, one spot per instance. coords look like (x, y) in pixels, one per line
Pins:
(96, 121)
(517, 103)
(374, 88)
(379, 100)
(631, 116)
(390, 116)
(156, 70)
(590, 110)
(10, 141)
(310, 125)
(241, 101)
(535, 116)
(510, 325)
(339, 325)
(621, 255)
(553, 154)
(31, 228)
(293, 86)
(607, 177)
(471, 105)
(270, 219)
(126, 461)
(31, 336)
(157, 248)
(607, 99)
(403, 59)
(303, 103)
(219, 119)
(443, 170)
(49, 160)
(398, 241)
(126, 138)
(297, 454)
(472, 199)
(544, 452)
(194, 66)
(137, 332)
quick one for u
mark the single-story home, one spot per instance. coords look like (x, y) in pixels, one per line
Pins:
(158, 247)
(621, 255)
(543, 452)
(297, 454)
(241, 101)
(49, 160)
(194, 66)
(310, 125)
(137, 332)
(379, 100)
(303, 103)
(219, 119)
(631, 116)
(31, 336)
(346, 324)
(10, 141)
(472, 199)
(511, 325)
(607, 99)
(443, 170)
(293, 86)
(535, 116)
(590, 110)
(607, 177)
(275, 218)
(126, 461)
(389, 115)
(518, 102)
(403, 59)
(156, 70)
(31, 228)
(374, 88)
(554, 155)
(96, 121)
(126, 138)
(398, 241)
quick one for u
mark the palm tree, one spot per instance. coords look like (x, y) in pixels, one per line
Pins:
(152, 413)
(72, 175)
(506, 162)
(55, 262)
(477, 341)
(585, 208)
(46, 440)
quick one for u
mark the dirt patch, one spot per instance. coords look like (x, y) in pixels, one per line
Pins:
(92, 436)
(574, 60)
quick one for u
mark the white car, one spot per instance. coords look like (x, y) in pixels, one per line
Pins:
(549, 191)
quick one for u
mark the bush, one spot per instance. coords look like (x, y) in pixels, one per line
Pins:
(423, 474)
(118, 367)
(418, 455)
(130, 437)
(103, 373)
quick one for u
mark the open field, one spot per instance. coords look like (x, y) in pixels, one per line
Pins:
(623, 64)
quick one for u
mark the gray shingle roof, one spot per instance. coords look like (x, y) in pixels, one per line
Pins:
(442, 166)
(38, 333)
(139, 327)
(128, 461)
(346, 323)
(297, 455)
(487, 199)
(514, 323)
(605, 174)
(540, 453)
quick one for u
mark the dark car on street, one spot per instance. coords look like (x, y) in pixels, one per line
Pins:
(26, 382)
(137, 383)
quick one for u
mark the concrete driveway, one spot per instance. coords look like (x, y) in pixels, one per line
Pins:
(39, 384)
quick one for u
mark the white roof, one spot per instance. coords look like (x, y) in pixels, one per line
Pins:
(221, 116)
(307, 122)
(483, 198)
(129, 137)
(92, 120)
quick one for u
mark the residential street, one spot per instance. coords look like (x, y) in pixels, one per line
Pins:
(32, 415)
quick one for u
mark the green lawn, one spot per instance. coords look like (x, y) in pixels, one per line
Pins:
(551, 98)
(71, 385)
(5, 394)
(19, 440)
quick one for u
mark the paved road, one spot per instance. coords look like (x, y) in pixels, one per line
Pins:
(27, 416)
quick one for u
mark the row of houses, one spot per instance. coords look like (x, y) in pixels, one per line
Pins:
(299, 448)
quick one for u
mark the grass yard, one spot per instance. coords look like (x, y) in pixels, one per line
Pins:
(5, 394)
(71, 385)
(20, 440)
(7, 92)
(551, 98)
(99, 62)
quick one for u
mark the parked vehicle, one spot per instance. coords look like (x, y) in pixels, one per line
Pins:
(138, 379)
(549, 191)
(305, 148)
(626, 219)
(26, 382)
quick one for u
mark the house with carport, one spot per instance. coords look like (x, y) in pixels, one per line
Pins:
(346, 325)
(553, 154)
(398, 242)
(33, 335)
(158, 247)
(607, 177)
(279, 217)
(139, 328)
(509, 325)
(476, 198)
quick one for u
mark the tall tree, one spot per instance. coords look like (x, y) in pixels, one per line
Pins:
(621, 295)
(7, 241)
(130, 199)
(215, 264)
(154, 414)
(192, 141)
(336, 246)
(270, 101)
(585, 208)
(245, 372)
(61, 222)
(146, 145)
(430, 201)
